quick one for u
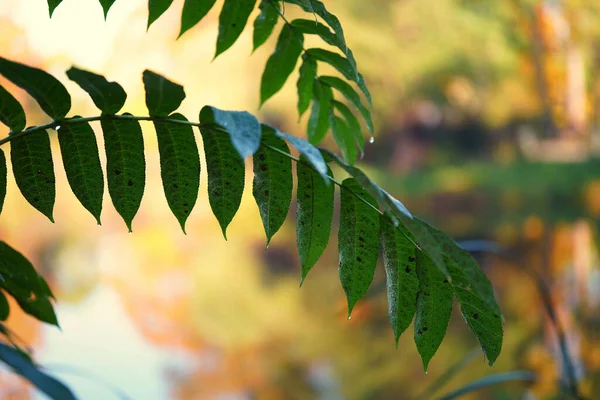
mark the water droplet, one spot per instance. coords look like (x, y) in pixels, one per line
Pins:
(371, 139)
(131, 233)
(349, 316)
(57, 128)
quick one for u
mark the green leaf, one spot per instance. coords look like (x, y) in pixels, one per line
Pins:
(226, 177)
(336, 60)
(399, 259)
(318, 123)
(50, 94)
(23, 366)
(81, 159)
(311, 27)
(106, 5)
(162, 96)
(125, 166)
(434, 308)
(347, 91)
(352, 122)
(4, 307)
(243, 128)
(156, 8)
(193, 12)
(343, 137)
(23, 282)
(312, 154)
(179, 166)
(313, 216)
(362, 85)
(281, 63)
(272, 186)
(109, 97)
(358, 241)
(3, 179)
(306, 80)
(33, 168)
(265, 22)
(232, 21)
(52, 4)
(11, 112)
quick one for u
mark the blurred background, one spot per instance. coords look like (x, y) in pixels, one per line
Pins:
(487, 116)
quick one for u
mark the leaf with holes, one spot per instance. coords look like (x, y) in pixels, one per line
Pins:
(125, 166)
(352, 122)
(50, 94)
(358, 241)
(242, 127)
(343, 137)
(106, 5)
(265, 22)
(179, 166)
(52, 4)
(81, 159)
(399, 259)
(232, 21)
(272, 186)
(109, 97)
(11, 112)
(3, 179)
(434, 308)
(306, 80)
(193, 12)
(318, 123)
(281, 63)
(33, 168)
(156, 8)
(225, 170)
(312, 154)
(313, 215)
(162, 96)
(23, 282)
(347, 91)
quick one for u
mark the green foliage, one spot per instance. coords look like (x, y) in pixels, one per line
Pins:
(106, 5)
(162, 96)
(109, 97)
(318, 123)
(265, 22)
(3, 178)
(52, 4)
(233, 19)
(193, 12)
(156, 8)
(306, 79)
(11, 112)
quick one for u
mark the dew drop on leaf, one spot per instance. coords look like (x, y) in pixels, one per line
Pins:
(57, 128)
(371, 139)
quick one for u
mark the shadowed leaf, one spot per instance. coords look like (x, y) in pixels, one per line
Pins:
(312, 154)
(156, 8)
(306, 80)
(353, 124)
(11, 112)
(242, 127)
(318, 123)
(193, 12)
(343, 137)
(162, 96)
(109, 97)
(4, 307)
(106, 5)
(265, 22)
(232, 21)
(347, 91)
(52, 4)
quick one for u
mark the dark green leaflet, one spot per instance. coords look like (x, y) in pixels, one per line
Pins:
(358, 241)
(125, 166)
(343, 137)
(81, 159)
(23, 366)
(232, 21)
(312, 154)
(352, 122)
(156, 8)
(106, 5)
(193, 12)
(334, 59)
(33, 168)
(162, 96)
(318, 123)
(50, 94)
(226, 177)
(313, 215)
(272, 186)
(399, 259)
(52, 4)
(11, 112)
(347, 91)
(3, 176)
(306, 80)
(179, 166)
(243, 128)
(281, 63)
(310, 27)
(434, 308)
(109, 97)
(23, 283)
(265, 22)
(4, 307)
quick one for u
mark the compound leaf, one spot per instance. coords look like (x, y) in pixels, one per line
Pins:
(125, 166)
(31, 159)
(179, 166)
(81, 160)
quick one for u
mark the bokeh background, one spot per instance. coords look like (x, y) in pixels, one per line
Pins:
(487, 116)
